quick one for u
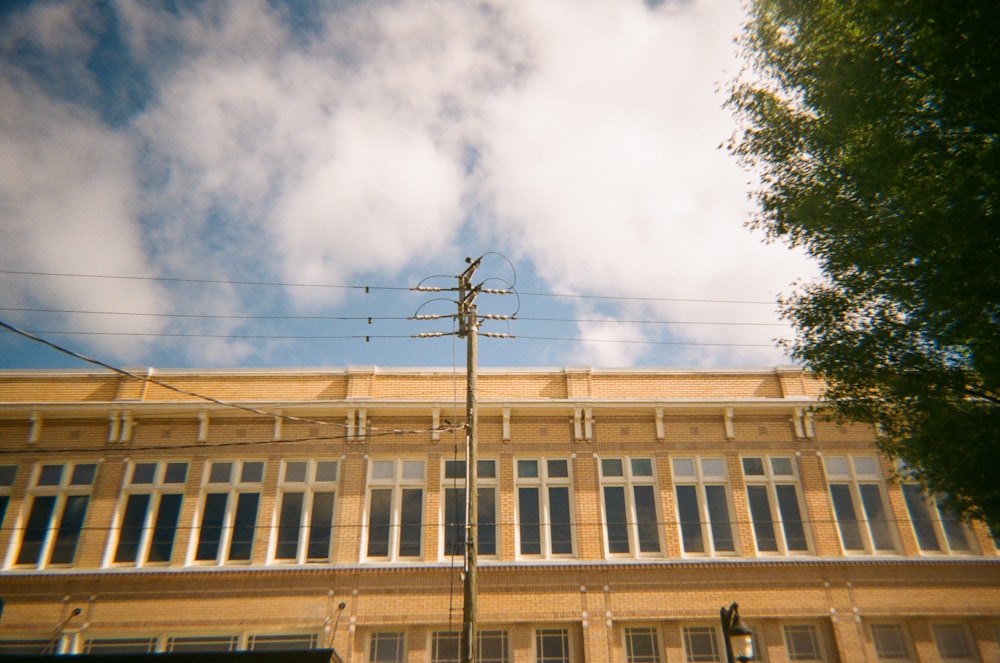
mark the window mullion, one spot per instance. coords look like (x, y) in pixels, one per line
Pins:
(776, 519)
(304, 520)
(55, 518)
(152, 508)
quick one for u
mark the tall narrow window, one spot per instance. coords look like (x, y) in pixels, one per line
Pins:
(552, 645)
(7, 475)
(859, 504)
(953, 643)
(935, 526)
(305, 514)
(802, 643)
(775, 508)
(701, 487)
(543, 507)
(631, 524)
(395, 509)
(454, 507)
(386, 647)
(701, 644)
(641, 645)
(152, 506)
(229, 512)
(59, 496)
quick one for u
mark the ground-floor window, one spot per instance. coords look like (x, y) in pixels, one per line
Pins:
(552, 645)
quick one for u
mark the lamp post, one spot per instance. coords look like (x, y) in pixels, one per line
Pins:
(738, 638)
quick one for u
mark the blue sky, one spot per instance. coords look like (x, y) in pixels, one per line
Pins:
(226, 184)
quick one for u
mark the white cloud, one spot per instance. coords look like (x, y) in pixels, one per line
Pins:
(579, 136)
(68, 201)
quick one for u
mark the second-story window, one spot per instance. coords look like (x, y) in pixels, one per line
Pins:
(630, 517)
(305, 517)
(543, 507)
(703, 505)
(454, 507)
(148, 524)
(229, 514)
(935, 526)
(859, 504)
(395, 509)
(773, 497)
(60, 494)
(7, 475)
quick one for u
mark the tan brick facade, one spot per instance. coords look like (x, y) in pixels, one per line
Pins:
(566, 445)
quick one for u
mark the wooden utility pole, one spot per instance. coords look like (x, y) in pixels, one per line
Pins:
(468, 327)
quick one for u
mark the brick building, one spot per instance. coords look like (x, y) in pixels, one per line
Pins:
(619, 510)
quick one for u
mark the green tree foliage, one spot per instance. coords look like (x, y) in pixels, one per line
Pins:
(875, 128)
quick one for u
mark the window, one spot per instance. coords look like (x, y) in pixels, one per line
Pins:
(890, 642)
(386, 648)
(152, 507)
(552, 645)
(7, 475)
(630, 518)
(641, 645)
(936, 528)
(454, 507)
(60, 494)
(773, 495)
(282, 642)
(202, 643)
(859, 504)
(229, 514)
(701, 644)
(395, 509)
(543, 507)
(703, 505)
(802, 643)
(30, 646)
(491, 647)
(119, 646)
(953, 643)
(305, 515)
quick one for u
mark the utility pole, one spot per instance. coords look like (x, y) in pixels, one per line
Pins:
(468, 327)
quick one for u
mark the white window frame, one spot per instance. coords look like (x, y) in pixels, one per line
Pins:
(403, 478)
(937, 629)
(454, 640)
(690, 630)
(483, 484)
(309, 486)
(904, 639)
(770, 480)
(400, 636)
(544, 482)
(945, 527)
(854, 477)
(629, 631)
(8, 475)
(156, 489)
(702, 477)
(552, 631)
(629, 480)
(61, 492)
(233, 488)
(815, 635)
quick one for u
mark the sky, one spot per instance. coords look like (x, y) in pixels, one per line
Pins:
(261, 184)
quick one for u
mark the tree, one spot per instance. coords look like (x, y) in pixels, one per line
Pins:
(875, 128)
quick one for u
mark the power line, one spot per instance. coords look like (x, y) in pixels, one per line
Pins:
(374, 318)
(367, 288)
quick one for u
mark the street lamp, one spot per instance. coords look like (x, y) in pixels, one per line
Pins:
(738, 638)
